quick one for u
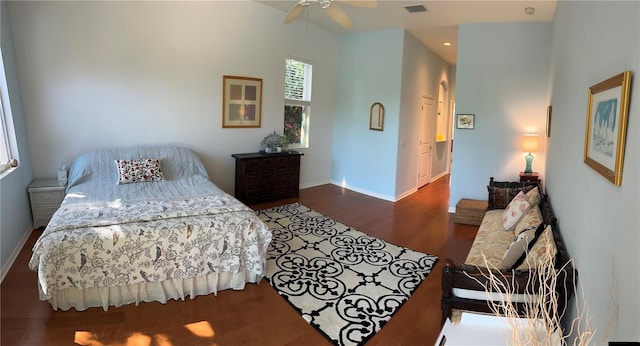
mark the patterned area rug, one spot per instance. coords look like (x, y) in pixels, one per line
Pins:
(343, 282)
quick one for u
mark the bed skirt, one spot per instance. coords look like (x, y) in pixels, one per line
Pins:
(82, 299)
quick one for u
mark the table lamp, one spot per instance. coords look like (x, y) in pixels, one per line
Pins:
(529, 145)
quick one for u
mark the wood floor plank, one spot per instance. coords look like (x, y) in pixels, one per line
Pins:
(256, 315)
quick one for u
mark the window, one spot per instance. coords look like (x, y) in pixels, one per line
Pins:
(297, 103)
(7, 136)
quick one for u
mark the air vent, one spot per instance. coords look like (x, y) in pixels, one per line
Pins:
(415, 8)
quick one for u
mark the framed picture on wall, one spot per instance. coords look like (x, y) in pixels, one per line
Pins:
(549, 121)
(606, 130)
(241, 101)
(466, 121)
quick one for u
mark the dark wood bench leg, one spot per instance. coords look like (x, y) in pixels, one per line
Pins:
(447, 289)
(446, 311)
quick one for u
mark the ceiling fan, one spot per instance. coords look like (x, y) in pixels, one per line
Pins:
(331, 8)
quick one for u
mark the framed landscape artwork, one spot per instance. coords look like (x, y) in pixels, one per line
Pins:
(606, 130)
(466, 121)
(241, 101)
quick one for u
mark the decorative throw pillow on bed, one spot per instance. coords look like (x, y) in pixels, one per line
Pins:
(543, 250)
(514, 211)
(517, 250)
(499, 197)
(138, 170)
(532, 218)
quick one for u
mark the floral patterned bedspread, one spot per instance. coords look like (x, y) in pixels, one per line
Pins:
(111, 244)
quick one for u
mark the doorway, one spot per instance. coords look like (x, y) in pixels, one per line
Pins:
(425, 141)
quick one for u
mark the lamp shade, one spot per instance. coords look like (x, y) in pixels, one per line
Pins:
(529, 143)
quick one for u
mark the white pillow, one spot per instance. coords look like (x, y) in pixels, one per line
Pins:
(542, 251)
(517, 250)
(514, 211)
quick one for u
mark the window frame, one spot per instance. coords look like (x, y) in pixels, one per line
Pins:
(7, 132)
(304, 102)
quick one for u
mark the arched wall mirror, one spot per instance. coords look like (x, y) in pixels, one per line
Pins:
(376, 117)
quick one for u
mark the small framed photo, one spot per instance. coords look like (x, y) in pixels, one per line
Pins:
(241, 101)
(606, 131)
(466, 121)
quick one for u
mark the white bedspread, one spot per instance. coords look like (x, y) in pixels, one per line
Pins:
(102, 245)
(107, 236)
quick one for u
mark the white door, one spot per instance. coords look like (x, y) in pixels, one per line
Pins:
(425, 141)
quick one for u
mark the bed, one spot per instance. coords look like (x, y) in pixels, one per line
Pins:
(145, 224)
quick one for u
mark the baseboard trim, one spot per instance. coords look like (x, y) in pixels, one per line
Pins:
(406, 194)
(439, 176)
(15, 253)
(363, 191)
(314, 184)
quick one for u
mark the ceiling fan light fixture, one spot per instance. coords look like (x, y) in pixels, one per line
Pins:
(325, 3)
(331, 8)
(415, 8)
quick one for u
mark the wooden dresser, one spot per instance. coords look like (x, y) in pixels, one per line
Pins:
(262, 177)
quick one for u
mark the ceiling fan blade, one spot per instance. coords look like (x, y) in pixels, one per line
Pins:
(294, 13)
(360, 3)
(338, 15)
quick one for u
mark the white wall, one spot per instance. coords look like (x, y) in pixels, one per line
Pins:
(502, 78)
(110, 74)
(422, 72)
(15, 213)
(599, 221)
(370, 71)
(394, 68)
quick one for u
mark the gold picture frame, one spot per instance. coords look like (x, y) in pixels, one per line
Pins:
(548, 129)
(606, 130)
(241, 102)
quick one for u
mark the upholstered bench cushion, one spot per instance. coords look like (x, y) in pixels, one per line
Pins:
(492, 240)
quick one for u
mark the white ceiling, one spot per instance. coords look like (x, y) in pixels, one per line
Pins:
(439, 24)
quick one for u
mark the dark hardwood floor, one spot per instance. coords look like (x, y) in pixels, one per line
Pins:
(255, 315)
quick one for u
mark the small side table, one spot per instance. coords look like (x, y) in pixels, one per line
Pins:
(490, 330)
(46, 195)
(531, 177)
(470, 211)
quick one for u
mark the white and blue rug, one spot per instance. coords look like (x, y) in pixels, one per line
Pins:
(343, 282)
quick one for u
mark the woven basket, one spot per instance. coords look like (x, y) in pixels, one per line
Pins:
(470, 211)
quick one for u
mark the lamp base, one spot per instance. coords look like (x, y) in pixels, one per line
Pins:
(529, 160)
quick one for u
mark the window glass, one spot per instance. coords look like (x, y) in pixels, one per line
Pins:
(297, 103)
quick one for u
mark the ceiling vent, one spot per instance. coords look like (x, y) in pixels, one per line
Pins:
(415, 8)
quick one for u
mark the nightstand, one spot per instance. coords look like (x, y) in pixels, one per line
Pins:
(532, 177)
(46, 196)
